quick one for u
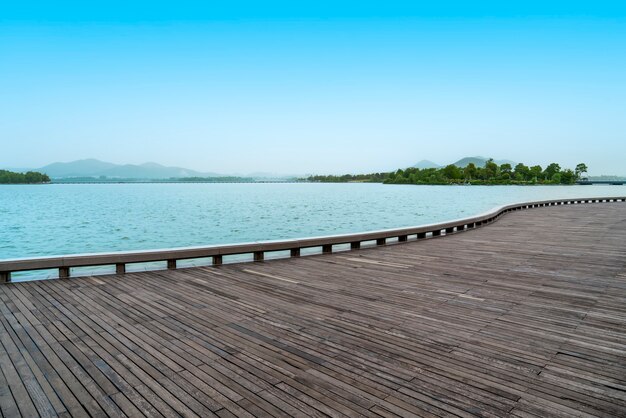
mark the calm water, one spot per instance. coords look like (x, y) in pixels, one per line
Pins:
(67, 219)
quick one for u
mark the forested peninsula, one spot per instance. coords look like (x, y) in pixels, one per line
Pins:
(30, 177)
(489, 174)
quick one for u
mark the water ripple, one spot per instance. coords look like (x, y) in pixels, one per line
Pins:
(62, 219)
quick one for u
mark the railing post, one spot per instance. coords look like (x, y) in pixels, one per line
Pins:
(449, 230)
(64, 272)
(421, 235)
(327, 249)
(295, 252)
(436, 232)
(258, 255)
(120, 268)
(171, 264)
(403, 238)
(217, 260)
(5, 277)
(381, 241)
(355, 245)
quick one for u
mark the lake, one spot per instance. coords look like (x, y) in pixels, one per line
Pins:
(57, 219)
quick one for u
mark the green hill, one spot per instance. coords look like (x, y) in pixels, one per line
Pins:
(426, 164)
(480, 162)
(96, 168)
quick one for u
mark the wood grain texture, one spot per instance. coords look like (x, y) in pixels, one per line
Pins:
(525, 317)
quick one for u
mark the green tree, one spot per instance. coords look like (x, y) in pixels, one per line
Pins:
(505, 172)
(491, 170)
(470, 171)
(522, 172)
(506, 168)
(535, 172)
(31, 177)
(551, 170)
(580, 170)
(567, 176)
(452, 172)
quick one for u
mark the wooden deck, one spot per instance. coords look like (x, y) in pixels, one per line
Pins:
(524, 317)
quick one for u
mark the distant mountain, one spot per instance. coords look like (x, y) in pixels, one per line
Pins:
(426, 164)
(480, 162)
(80, 168)
(477, 161)
(96, 168)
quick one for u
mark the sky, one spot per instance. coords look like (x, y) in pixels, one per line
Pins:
(313, 87)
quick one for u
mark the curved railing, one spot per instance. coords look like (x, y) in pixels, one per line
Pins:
(258, 249)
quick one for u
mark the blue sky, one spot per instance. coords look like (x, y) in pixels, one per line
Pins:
(239, 87)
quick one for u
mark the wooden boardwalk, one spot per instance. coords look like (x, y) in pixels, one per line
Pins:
(524, 317)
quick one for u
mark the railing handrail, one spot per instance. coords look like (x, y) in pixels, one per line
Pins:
(258, 248)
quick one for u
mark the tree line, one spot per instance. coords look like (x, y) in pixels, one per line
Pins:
(30, 177)
(350, 178)
(490, 173)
